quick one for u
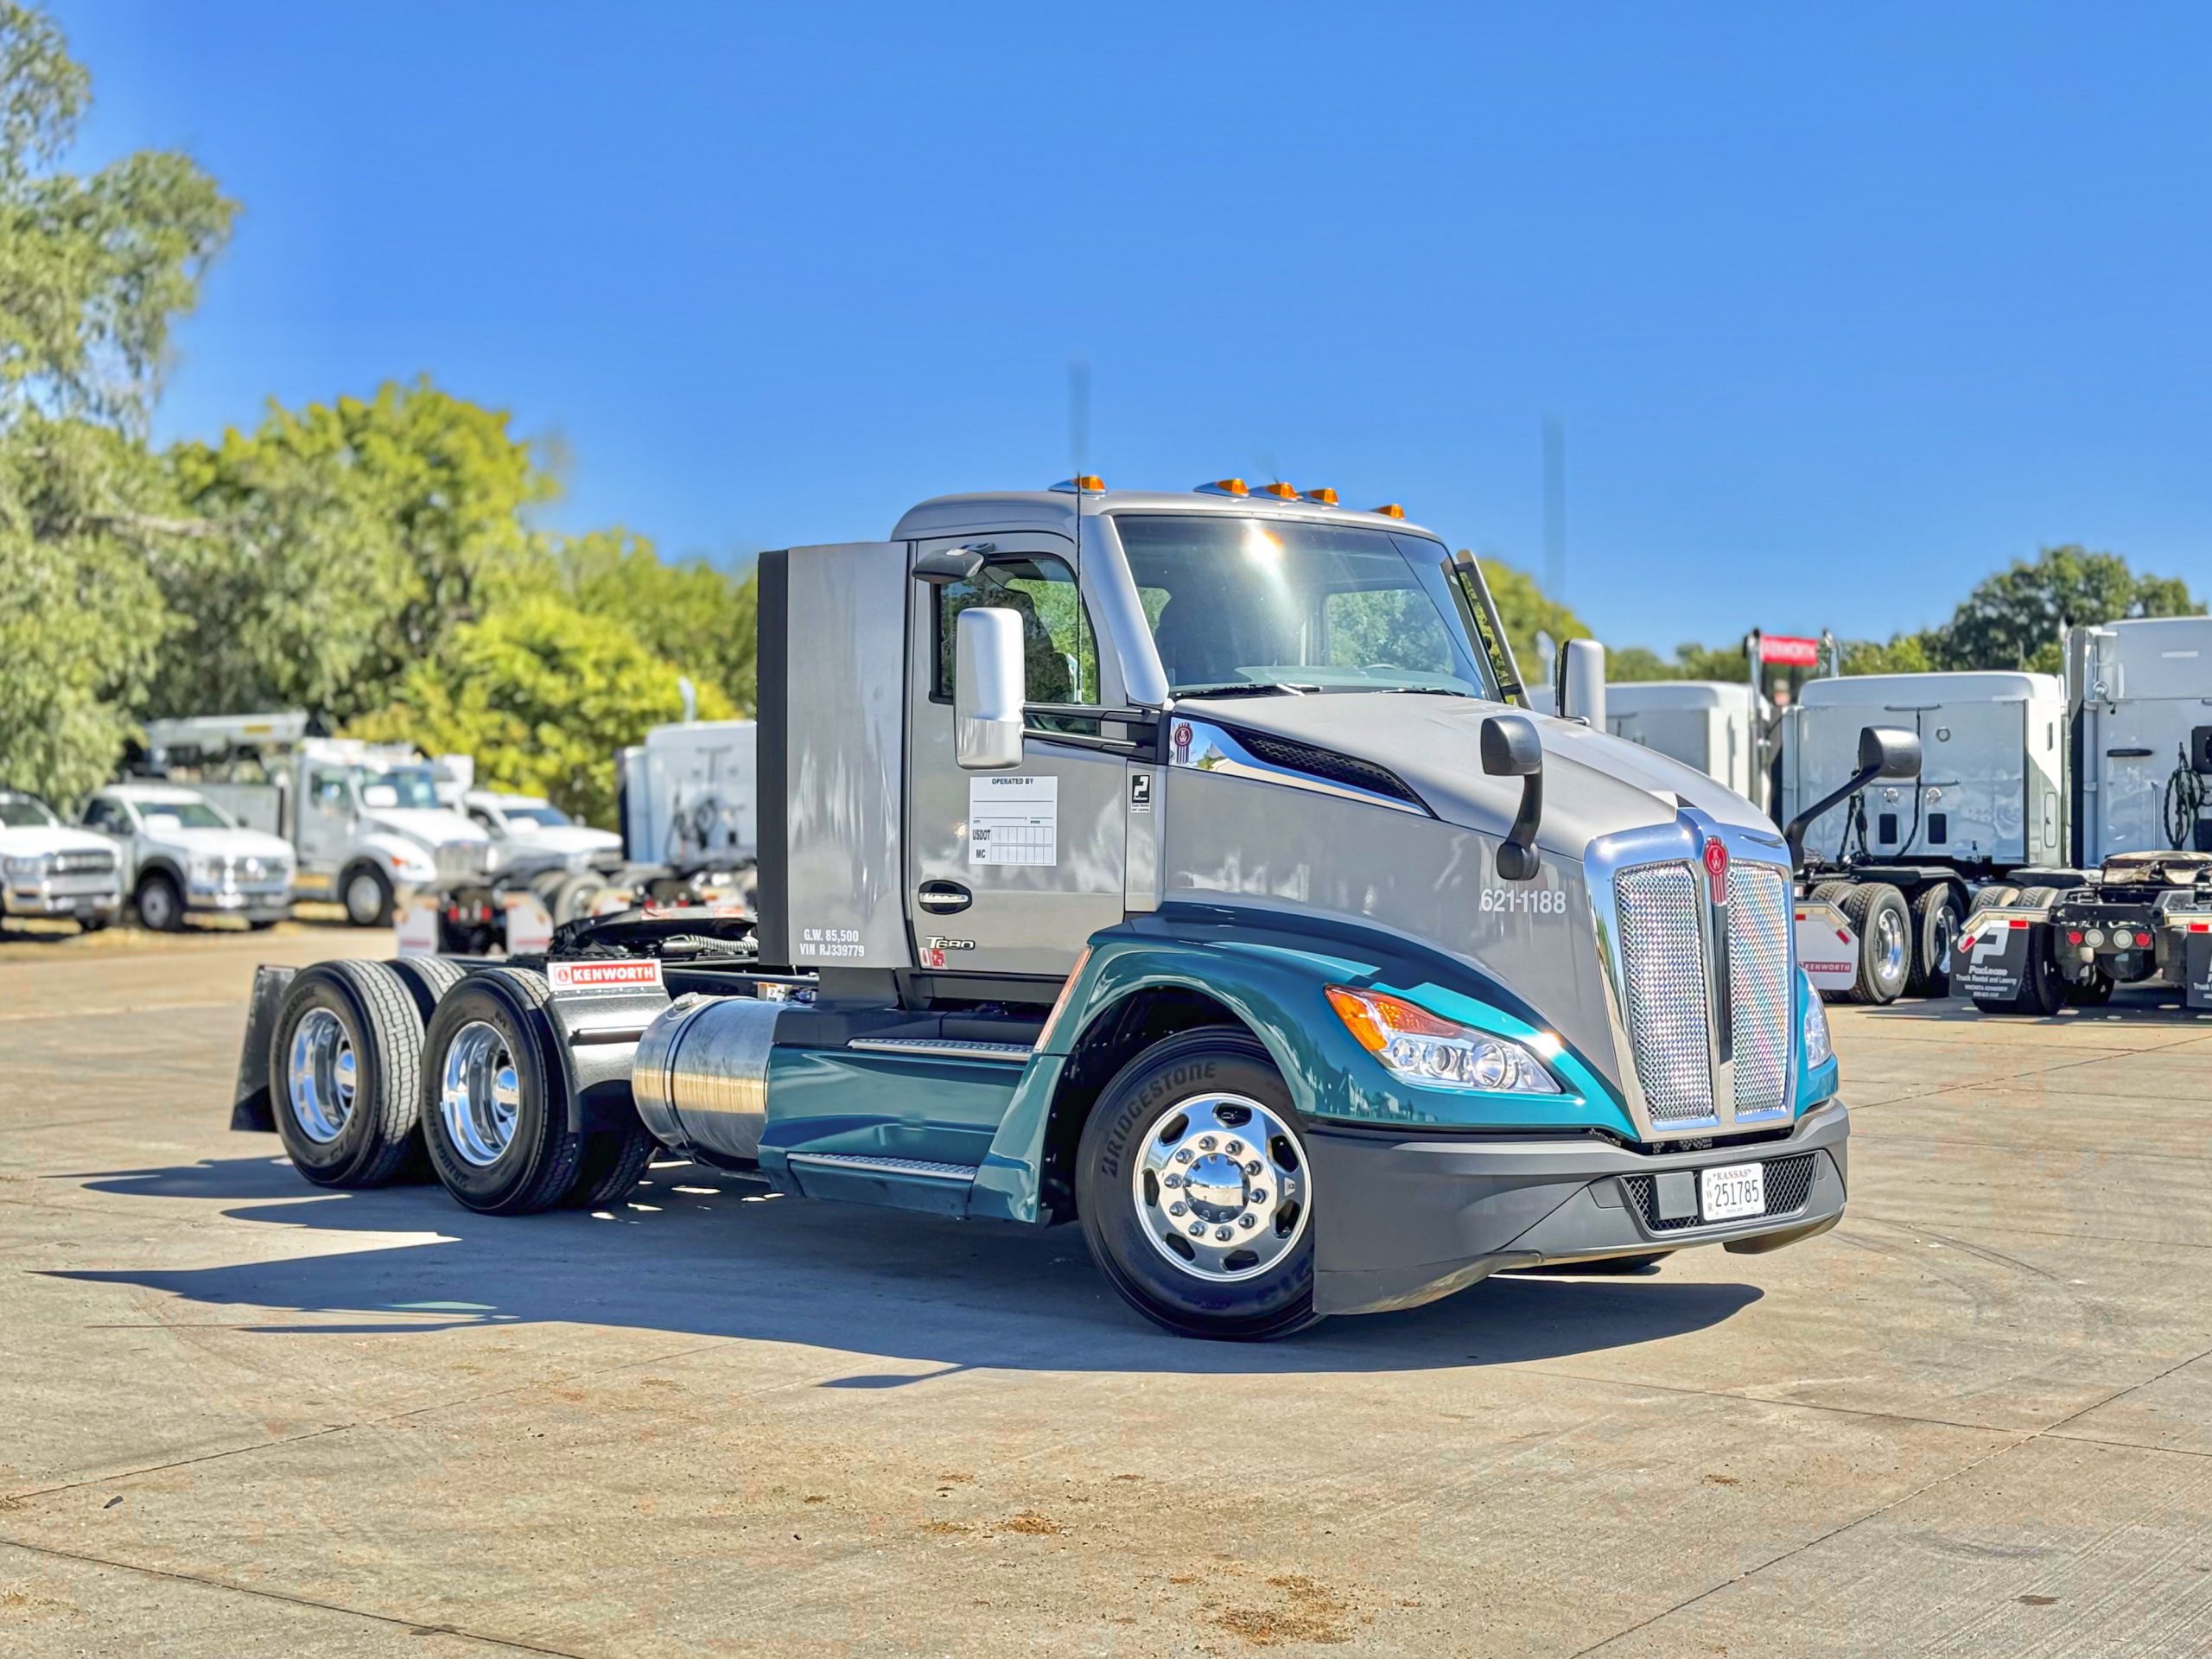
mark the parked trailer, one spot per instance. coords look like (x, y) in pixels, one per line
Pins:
(2135, 906)
(1172, 864)
(1712, 725)
(1895, 866)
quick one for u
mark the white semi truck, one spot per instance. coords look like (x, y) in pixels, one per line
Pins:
(1717, 726)
(365, 821)
(1175, 864)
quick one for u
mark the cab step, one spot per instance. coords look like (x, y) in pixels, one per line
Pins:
(870, 1178)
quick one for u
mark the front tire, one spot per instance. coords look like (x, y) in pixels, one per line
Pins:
(1195, 1191)
(367, 892)
(1877, 914)
(343, 1065)
(494, 1107)
(159, 905)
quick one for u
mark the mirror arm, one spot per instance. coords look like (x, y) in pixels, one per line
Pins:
(1517, 857)
(1795, 834)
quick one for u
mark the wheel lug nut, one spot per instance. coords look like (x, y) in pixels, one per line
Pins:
(1252, 1168)
(1259, 1195)
(1234, 1149)
(1198, 1230)
(1178, 1208)
(1205, 1143)
(1172, 1181)
(1184, 1156)
(1248, 1219)
(1224, 1234)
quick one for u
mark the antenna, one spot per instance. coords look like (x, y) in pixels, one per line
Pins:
(1080, 414)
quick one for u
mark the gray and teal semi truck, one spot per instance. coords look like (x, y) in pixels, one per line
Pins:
(1179, 865)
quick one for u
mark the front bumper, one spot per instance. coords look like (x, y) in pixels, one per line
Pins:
(258, 904)
(1402, 1221)
(44, 901)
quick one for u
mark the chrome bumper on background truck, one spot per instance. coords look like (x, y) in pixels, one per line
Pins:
(45, 900)
(1408, 1218)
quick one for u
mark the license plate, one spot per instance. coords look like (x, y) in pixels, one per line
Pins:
(1738, 1190)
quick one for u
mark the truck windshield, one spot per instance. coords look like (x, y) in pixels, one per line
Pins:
(188, 815)
(1238, 601)
(25, 812)
(410, 786)
(551, 817)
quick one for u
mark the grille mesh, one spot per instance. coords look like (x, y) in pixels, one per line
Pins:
(1788, 1185)
(461, 858)
(1663, 960)
(85, 863)
(1758, 984)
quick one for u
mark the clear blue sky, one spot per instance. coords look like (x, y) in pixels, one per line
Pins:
(1842, 307)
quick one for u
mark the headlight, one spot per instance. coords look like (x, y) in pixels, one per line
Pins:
(1421, 1047)
(29, 868)
(207, 872)
(1817, 1046)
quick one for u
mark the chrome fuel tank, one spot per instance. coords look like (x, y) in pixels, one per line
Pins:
(701, 1076)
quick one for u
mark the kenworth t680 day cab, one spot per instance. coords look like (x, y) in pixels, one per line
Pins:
(1174, 864)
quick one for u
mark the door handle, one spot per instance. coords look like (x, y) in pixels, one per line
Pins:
(943, 898)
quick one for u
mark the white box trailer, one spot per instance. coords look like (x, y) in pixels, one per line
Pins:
(1713, 725)
(2143, 727)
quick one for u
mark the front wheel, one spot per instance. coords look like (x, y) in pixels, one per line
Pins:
(1195, 1191)
(367, 892)
(160, 905)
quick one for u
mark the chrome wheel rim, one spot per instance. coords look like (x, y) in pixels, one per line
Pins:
(1946, 929)
(1222, 1188)
(362, 899)
(480, 1093)
(154, 907)
(320, 1075)
(1890, 947)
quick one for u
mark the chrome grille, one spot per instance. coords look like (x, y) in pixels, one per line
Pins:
(462, 858)
(85, 863)
(1663, 970)
(1758, 984)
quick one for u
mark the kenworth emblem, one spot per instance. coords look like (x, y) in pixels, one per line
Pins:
(1716, 871)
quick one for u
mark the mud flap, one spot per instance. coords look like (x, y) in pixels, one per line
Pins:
(1994, 957)
(249, 1104)
(2197, 988)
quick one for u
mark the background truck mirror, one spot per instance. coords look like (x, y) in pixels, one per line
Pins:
(1582, 682)
(1512, 749)
(988, 688)
(953, 564)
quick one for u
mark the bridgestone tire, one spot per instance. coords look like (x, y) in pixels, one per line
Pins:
(159, 903)
(427, 980)
(1990, 897)
(2043, 987)
(354, 887)
(382, 1031)
(1214, 1059)
(613, 1161)
(1879, 980)
(572, 897)
(1934, 936)
(1829, 892)
(536, 1167)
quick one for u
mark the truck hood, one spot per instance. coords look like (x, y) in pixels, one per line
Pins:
(40, 838)
(221, 843)
(560, 841)
(1594, 784)
(425, 826)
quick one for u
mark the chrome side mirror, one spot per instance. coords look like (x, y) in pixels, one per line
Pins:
(1582, 682)
(988, 688)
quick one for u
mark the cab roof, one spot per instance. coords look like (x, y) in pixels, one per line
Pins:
(150, 792)
(1054, 512)
(1968, 685)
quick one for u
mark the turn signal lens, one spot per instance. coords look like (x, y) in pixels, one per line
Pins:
(1224, 486)
(1280, 490)
(1391, 509)
(1420, 1048)
(1322, 497)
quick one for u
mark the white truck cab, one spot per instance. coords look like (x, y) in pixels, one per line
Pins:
(528, 830)
(47, 869)
(182, 855)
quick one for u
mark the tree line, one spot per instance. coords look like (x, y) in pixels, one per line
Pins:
(376, 560)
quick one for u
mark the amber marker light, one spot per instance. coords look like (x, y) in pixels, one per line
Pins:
(1391, 509)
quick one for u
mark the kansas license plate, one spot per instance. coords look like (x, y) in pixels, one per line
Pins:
(1738, 1190)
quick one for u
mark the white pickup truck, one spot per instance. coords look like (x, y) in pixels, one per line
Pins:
(49, 869)
(182, 855)
(530, 830)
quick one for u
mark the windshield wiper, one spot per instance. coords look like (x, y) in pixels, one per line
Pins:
(1245, 689)
(1410, 690)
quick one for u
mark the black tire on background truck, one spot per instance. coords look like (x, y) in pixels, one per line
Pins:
(2043, 987)
(366, 891)
(159, 902)
(1936, 921)
(613, 1160)
(1191, 1184)
(1877, 914)
(495, 1114)
(1996, 893)
(343, 1073)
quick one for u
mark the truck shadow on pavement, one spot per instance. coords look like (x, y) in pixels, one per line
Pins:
(700, 1252)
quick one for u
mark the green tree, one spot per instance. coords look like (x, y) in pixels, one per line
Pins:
(702, 619)
(1905, 653)
(94, 270)
(1526, 611)
(2015, 619)
(542, 696)
(346, 540)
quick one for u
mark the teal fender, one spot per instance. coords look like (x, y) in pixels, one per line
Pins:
(1271, 969)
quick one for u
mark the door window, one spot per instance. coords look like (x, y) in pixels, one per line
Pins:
(1061, 649)
(106, 817)
(328, 789)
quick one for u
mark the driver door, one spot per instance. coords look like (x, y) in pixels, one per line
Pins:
(1009, 874)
